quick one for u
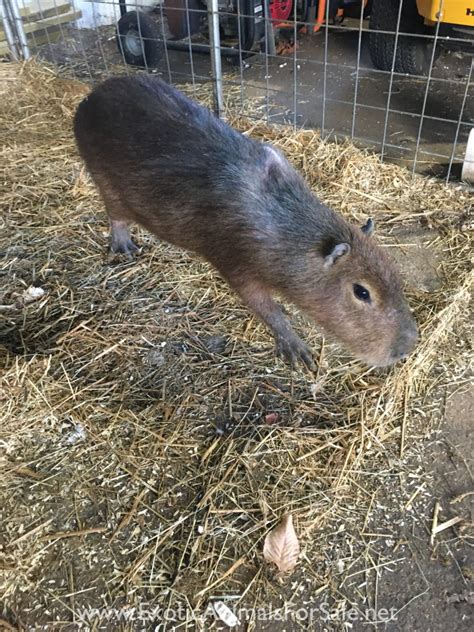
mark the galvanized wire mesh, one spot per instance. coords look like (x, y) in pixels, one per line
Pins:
(310, 68)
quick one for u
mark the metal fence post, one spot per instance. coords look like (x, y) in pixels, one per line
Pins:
(9, 29)
(215, 46)
(15, 11)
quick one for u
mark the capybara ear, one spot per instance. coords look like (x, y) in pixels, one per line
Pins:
(338, 251)
(368, 227)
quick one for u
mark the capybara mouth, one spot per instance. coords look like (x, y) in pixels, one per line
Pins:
(389, 359)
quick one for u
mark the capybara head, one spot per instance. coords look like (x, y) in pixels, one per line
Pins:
(360, 299)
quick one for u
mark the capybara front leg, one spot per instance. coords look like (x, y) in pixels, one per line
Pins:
(288, 344)
(120, 239)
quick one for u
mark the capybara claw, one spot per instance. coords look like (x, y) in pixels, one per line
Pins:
(294, 351)
(127, 248)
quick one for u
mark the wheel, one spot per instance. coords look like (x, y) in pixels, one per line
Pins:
(413, 55)
(139, 39)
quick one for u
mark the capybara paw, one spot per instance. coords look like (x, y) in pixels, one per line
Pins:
(126, 247)
(294, 350)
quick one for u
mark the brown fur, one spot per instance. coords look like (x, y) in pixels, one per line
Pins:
(167, 163)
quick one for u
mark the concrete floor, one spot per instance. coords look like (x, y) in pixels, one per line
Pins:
(352, 113)
(363, 114)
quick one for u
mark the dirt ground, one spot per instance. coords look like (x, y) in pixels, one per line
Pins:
(140, 469)
(419, 584)
(416, 584)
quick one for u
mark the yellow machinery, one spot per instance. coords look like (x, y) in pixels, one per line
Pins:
(456, 12)
(402, 36)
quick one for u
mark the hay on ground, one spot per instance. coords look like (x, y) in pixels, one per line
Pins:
(139, 464)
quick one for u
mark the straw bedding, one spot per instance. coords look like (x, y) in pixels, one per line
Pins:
(150, 439)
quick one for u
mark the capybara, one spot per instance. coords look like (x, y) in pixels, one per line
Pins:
(169, 164)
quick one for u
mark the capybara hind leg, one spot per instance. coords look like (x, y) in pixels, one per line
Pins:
(120, 239)
(119, 214)
(288, 344)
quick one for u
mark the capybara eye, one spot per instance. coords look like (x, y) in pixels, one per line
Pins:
(361, 292)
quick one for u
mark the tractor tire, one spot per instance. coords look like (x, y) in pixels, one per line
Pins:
(413, 54)
(139, 39)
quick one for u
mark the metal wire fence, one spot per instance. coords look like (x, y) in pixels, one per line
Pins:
(376, 71)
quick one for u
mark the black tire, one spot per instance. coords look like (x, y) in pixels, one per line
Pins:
(413, 55)
(139, 39)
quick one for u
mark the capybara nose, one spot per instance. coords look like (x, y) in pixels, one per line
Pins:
(405, 343)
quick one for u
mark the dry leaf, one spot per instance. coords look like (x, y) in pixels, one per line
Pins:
(281, 545)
